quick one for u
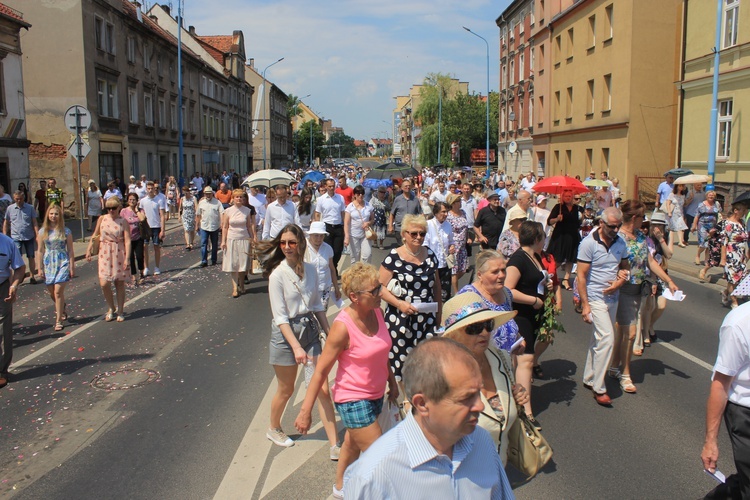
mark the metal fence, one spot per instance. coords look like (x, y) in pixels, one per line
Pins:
(645, 189)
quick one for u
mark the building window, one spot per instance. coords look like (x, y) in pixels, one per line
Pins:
(532, 17)
(146, 56)
(589, 160)
(512, 74)
(531, 60)
(107, 98)
(607, 96)
(3, 109)
(569, 46)
(541, 111)
(148, 110)
(729, 26)
(541, 59)
(541, 12)
(210, 88)
(105, 35)
(590, 98)
(150, 165)
(520, 114)
(568, 160)
(171, 71)
(134, 168)
(131, 49)
(724, 139)
(557, 49)
(605, 160)
(162, 114)
(204, 85)
(185, 124)
(557, 107)
(569, 104)
(531, 111)
(133, 105)
(609, 27)
(505, 76)
(502, 120)
(591, 41)
(173, 114)
(521, 70)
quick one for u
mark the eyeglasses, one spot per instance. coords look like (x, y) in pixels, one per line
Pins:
(288, 243)
(374, 292)
(613, 226)
(416, 234)
(477, 328)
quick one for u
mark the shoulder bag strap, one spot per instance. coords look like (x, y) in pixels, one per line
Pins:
(503, 369)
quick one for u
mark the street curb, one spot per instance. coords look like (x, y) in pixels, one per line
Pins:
(692, 271)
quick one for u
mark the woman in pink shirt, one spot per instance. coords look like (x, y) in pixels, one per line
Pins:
(360, 342)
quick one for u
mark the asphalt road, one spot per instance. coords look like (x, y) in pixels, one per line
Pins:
(173, 403)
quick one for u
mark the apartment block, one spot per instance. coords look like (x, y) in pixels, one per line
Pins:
(731, 159)
(272, 130)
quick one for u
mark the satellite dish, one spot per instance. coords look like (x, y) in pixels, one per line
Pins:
(512, 147)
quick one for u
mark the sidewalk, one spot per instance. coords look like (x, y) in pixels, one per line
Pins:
(79, 245)
(683, 261)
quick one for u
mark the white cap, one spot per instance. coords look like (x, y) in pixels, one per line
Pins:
(540, 199)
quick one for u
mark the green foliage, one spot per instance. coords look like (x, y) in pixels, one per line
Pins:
(302, 141)
(292, 106)
(347, 149)
(463, 121)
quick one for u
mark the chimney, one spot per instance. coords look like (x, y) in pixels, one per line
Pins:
(166, 9)
(251, 62)
(154, 18)
(138, 12)
(191, 30)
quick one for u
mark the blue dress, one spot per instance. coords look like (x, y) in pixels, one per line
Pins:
(56, 262)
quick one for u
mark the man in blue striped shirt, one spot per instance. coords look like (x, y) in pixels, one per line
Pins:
(438, 451)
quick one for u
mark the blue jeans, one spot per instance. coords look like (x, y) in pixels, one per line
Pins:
(205, 235)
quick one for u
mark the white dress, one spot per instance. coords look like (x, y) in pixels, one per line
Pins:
(677, 220)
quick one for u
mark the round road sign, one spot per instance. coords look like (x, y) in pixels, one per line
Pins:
(77, 119)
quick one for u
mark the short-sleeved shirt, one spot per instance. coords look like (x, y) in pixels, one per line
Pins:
(109, 194)
(438, 195)
(41, 198)
(153, 207)
(637, 257)
(320, 259)
(330, 209)
(21, 221)
(358, 216)
(347, 193)
(401, 206)
(733, 358)
(491, 223)
(278, 216)
(210, 214)
(54, 196)
(663, 191)
(133, 221)
(10, 258)
(469, 207)
(605, 262)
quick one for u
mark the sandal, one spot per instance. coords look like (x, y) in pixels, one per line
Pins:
(58, 326)
(614, 372)
(626, 384)
(65, 313)
(566, 284)
(702, 274)
(652, 338)
(121, 317)
(538, 373)
(110, 316)
(637, 352)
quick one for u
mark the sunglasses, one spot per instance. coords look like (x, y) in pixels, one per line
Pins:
(416, 234)
(477, 328)
(374, 292)
(612, 226)
(577, 199)
(288, 243)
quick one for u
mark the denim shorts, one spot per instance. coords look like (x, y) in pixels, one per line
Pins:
(154, 237)
(359, 414)
(28, 247)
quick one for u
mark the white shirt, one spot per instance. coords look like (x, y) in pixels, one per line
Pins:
(258, 202)
(733, 359)
(357, 217)
(198, 181)
(142, 192)
(320, 260)
(528, 185)
(152, 207)
(439, 238)
(284, 287)
(210, 214)
(278, 216)
(109, 194)
(331, 209)
(131, 188)
(438, 195)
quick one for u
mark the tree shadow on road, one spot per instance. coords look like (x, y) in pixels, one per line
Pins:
(72, 366)
(557, 385)
(639, 368)
(667, 335)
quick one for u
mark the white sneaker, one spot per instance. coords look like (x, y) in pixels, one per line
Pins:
(337, 493)
(145, 272)
(156, 271)
(335, 452)
(278, 437)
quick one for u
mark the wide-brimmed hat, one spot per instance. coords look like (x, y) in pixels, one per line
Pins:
(451, 199)
(659, 217)
(468, 308)
(317, 227)
(208, 190)
(491, 194)
(517, 212)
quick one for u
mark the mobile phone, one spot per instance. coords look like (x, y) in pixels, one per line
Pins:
(717, 475)
(516, 344)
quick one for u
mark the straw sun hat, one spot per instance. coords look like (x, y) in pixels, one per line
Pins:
(468, 308)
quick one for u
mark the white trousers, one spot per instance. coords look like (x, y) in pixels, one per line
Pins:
(361, 249)
(600, 348)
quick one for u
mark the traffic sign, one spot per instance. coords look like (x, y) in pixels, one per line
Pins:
(77, 119)
(73, 148)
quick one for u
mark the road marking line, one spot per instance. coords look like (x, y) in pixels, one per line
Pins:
(85, 327)
(288, 461)
(687, 356)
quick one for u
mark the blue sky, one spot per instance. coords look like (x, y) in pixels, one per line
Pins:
(354, 56)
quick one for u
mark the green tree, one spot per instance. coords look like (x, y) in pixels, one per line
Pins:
(292, 106)
(302, 140)
(347, 149)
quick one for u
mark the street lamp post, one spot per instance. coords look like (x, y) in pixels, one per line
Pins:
(487, 159)
(265, 109)
(299, 99)
(714, 100)
(180, 143)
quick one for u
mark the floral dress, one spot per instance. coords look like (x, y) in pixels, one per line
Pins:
(56, 261)
(188, 214)
(714, 243)
(637, 257)
(506, 334)
(508, 243)
(734, 237)
(414, 284)
(677, 220)
(113, 262)
(460, 226)
(707, 219)
(380, 220)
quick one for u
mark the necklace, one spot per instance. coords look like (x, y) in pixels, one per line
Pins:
(413, 254)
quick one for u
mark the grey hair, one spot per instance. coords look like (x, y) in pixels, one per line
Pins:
(425, 367)
(18, 193)
(612, 213)
(485, 256)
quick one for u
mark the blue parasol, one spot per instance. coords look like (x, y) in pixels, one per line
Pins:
(376, 183)
(314, 175)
